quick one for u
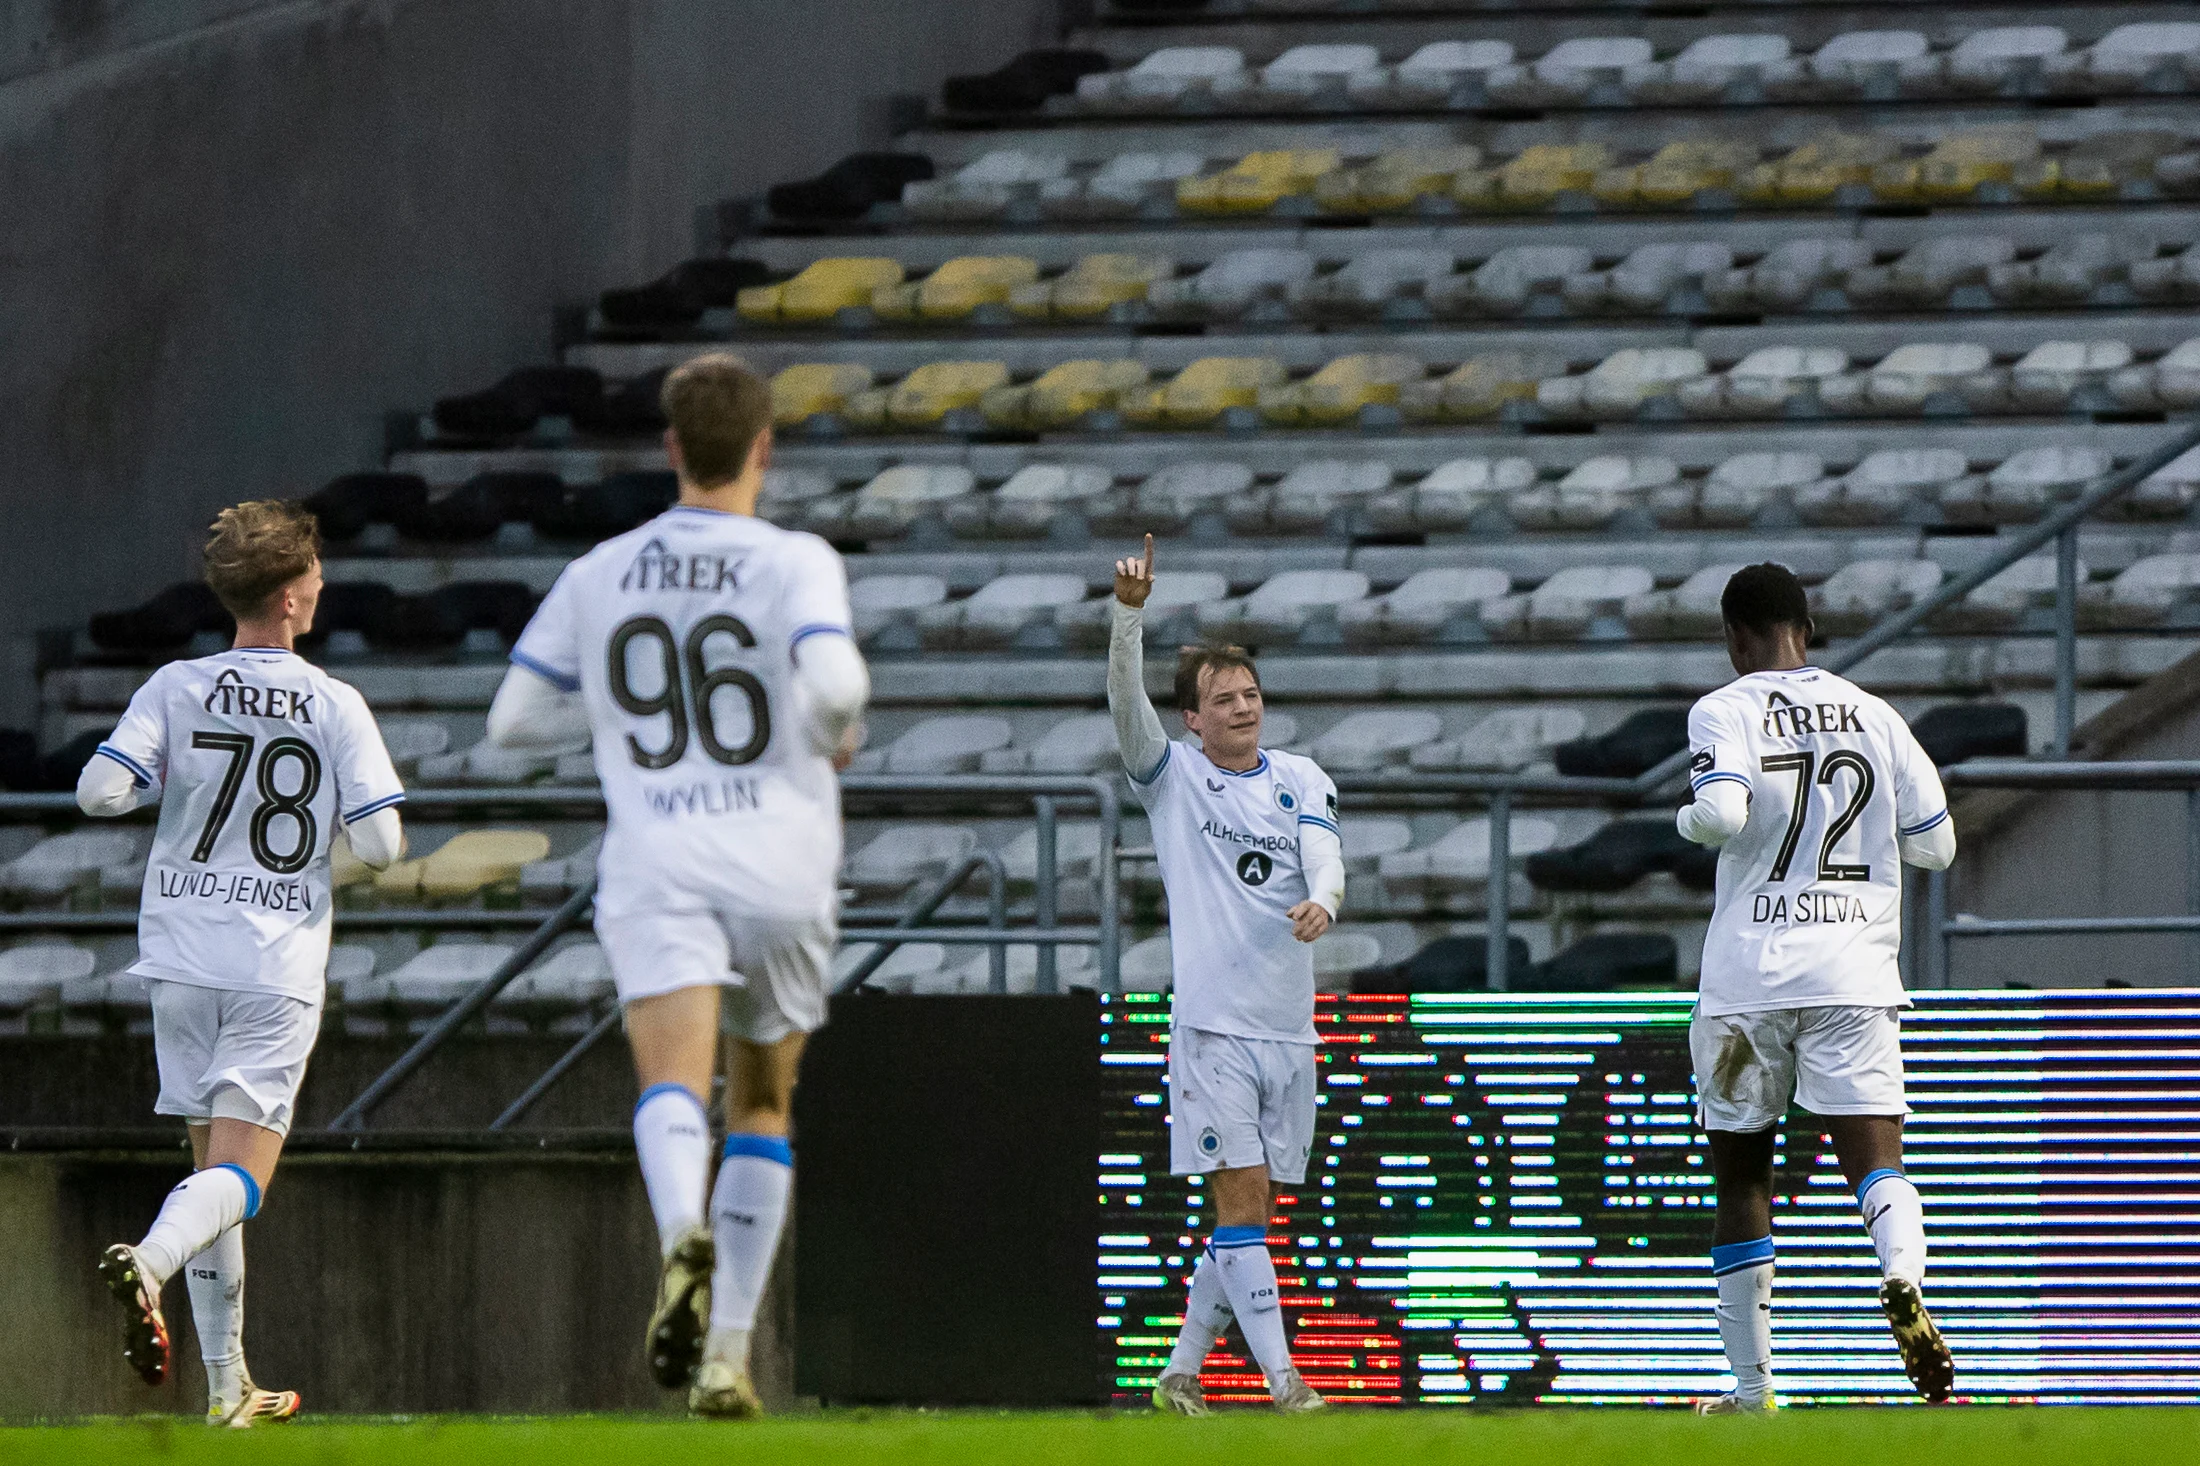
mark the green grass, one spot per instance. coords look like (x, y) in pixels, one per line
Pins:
(1862, 1437)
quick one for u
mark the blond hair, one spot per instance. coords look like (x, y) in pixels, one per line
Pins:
(716, 408)
(255, 549)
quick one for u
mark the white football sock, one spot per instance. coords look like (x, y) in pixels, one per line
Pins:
(1249, 1282)
(672, 1139)
(748, 1207)
(204, 1205)
(1895, 1216)
(216, 1280)
(1744, 1271)
(1206, 1315)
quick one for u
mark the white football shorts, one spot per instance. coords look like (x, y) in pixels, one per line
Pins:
(1831, 1061)
(1237, 1102)
(779, 968)
(231, 1055)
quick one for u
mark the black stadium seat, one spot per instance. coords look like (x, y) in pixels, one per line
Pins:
(350, 605)
(626, 411)
(1446, 965)
(475, 509)
(849, 188)
(1636, 746)
(351, 502)
(1951, 733)
(19, 770)
(516, 403)
(592, 512)
(166, 623)
(441, 618)
(1023, 85)
(1607, 960)
(59, 768)
(679, 297)
(1622, 853)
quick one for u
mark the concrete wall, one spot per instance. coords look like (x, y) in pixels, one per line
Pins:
(238, 231)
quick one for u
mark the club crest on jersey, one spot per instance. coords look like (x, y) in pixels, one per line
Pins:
(1254, 868)
(233, 697)
(657, 568)
(1286, 800)
(1209, 1142)
(1786, 718)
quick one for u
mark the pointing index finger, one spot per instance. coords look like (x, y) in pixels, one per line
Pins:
(1148, 560)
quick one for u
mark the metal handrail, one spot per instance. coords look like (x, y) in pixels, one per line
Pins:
(929, 903)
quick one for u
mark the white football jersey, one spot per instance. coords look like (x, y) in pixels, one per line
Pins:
(1809, 907)
(256, 756)
(1228, 846)
(680, 637)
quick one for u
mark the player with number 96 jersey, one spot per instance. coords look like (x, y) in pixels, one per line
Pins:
(257, 757)
(680, 638)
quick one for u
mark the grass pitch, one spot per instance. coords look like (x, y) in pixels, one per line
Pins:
(1862, 1437)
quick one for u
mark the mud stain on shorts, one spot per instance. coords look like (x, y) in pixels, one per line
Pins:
(1736, 1059)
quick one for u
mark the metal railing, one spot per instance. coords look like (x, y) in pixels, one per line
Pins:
(1498, 794)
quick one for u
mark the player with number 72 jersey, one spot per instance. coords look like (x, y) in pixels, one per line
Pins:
(1808, 911)
(258, 758)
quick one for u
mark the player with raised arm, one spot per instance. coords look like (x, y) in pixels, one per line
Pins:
(1250, 859)
(1816, 794)
(712, 657)
(257, 757)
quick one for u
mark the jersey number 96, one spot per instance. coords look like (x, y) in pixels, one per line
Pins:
(688, 684)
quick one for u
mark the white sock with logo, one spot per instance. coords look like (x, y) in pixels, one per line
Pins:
(204, 1205)
(1895, 1216)
(672, 1139)
(215, 1278)
(1206, 1315)
(748, 1209)
(1744, 1271)
(1249, 1282)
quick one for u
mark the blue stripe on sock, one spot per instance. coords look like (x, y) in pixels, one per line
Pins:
(1873, 1178)
(764, 1147)
(1732, 1257)
(657, 1089)
(251, 1188)
(1238, 1237)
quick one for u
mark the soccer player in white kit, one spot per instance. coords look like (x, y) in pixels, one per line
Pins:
(1816, 794)
(257, 759)
(712, 657)
(1250, 859)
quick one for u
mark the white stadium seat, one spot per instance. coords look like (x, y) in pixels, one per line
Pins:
(1907, 377)
(1430, 76)
(1788, 275)
(1123, 185)
(1339, 953)
(1459, 863)
(1863, 591)
(2172, 381)
(999, 611)
(434, 979)
(1593, 492)
(2024, 486)
(904, 855)
(1505, 741)
(1502, 284)
(2002, 602)
(900, 495)
(1570, 72)
(2148, 54)
(1145, 966)
(2005, 56)
(1644, 280)
(1421, 607)
(1928, 271)
(1375, 739)
(1280, 609)
(1880, 488)
(409, 740)
(1765, 383)
(59, 863)
(1368, 838)
(1231, 285)
(1566, 605)
(1706, 69)
(1081, 745)
(1619, 385)
(1031, 501)
(983, 189)
(1087, 623)
(1174, 76)
(1370, 281)
(1689, 611)
(1873, 64)
(950, 745)
(880, 601)
(1304, 498)
(2071, 270)
(1302, 76)
(31, 976)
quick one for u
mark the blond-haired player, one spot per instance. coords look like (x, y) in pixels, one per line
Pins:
(257, 758)
(710, 656)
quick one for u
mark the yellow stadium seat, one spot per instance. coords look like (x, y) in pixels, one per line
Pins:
(1395, 180)
(823, 288)
(1091, 287)
(1957, 165)
(1337, 392)
(955, 289)
(1481, 386)
(802, 392)
(1064, 394)
(347, 869)
(926, 395)
(1676, 174)
(2097, 167)
(1534, 178)
(1819, 169)
(1256, 182)
(466, 866)
(1203, 391)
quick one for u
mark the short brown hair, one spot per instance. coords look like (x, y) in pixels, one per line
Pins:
(255, 549)
(717, 408)
(1192, 660)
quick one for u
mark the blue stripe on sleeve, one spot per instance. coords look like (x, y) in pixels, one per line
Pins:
(816, 628)
(380, 804)
(138, 771)
(1920, 829)
(547, 672)
(1712, 778)
(1315, 819)
(1157, 768)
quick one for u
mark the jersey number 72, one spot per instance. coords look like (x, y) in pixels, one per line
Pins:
(1801, 765)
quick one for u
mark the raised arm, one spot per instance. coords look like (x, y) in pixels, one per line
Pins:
(1138, 731)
